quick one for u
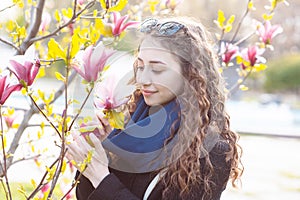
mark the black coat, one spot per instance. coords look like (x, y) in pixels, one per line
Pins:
(120, 185)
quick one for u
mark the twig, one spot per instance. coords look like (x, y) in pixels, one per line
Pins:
(4, 168)
(54, 33)
(4, 155)
(28, 158)
(41, 182)
(9, 44)
(240, 22)
(3, 9)
(4, 188)
(34, 27)
(234, 87)
(80, 109)
(73, 185)
(45, 116)
(244, 39)
(64, 128)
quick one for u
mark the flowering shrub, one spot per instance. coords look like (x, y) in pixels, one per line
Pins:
(84, 37)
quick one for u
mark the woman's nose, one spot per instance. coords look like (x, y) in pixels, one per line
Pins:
(144, 77)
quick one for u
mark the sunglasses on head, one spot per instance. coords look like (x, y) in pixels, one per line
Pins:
(166, 28)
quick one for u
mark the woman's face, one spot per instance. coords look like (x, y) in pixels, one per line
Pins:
(158, 74)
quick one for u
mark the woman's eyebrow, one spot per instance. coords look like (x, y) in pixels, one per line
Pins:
(156, 62)
(153, 61)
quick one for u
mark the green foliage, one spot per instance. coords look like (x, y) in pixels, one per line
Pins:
(283, 74)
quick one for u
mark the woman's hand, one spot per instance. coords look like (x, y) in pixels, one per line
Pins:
(78, 151)
(106, 128)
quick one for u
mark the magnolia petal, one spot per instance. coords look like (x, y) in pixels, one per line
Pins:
(116, 17)
(97, 56)
(2, 84)
(28, 69)
(118, 26)
(129, 24)
(7, 92)
(80, 72)
(18, 69)
(87, 57)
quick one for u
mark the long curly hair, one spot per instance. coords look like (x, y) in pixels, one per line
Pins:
(203, 114)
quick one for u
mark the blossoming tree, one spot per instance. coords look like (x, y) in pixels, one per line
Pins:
(82, 38)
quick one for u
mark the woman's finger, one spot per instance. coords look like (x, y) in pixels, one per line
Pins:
(95, 140)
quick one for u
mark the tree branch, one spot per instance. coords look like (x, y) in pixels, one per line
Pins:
(9, 44)
(235, 86)
(24, 124)
(54, 33)
(3, 9)
(240, 22)
(34, 27)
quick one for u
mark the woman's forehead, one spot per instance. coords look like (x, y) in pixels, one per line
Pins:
(151, 47)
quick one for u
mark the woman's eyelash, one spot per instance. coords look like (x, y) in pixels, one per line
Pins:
(140, 67)
(156, 71)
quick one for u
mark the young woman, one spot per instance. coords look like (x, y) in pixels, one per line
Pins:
(177, 143)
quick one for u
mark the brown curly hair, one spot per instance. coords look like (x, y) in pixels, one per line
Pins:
(202, 110)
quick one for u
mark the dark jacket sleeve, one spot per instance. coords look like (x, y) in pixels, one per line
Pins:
(109, 189)
(221, 168)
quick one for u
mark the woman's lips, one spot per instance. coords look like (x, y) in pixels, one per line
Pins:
(148, 92)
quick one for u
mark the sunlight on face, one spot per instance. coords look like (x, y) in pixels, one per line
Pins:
(158, 74)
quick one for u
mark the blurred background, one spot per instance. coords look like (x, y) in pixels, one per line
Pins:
(267, 115)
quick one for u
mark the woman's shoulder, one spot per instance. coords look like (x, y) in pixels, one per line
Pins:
(221, 147)
(219, 155)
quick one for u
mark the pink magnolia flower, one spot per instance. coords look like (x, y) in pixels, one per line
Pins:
(93, 61)
(228, 52)
(80, 2)
(119, 24)
(25, 67)
(46, 19)
(252, 55)
(110, 94)
(10, 119)
(71, 166)
(45, 188)
(6, 89)
(25, 73)
(64, 189)
(267, 32)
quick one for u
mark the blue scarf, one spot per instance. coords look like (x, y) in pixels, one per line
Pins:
(139, 147)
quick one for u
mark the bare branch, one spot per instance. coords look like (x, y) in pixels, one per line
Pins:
(26, 158)
(3, 9)
(238, 83)
(41, 184)
(9, 44)
(34, 27)
(56, 31)
(240, 22)
(244, 39)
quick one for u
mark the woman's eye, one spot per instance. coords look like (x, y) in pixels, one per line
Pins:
(140, 67)
(156, 71)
